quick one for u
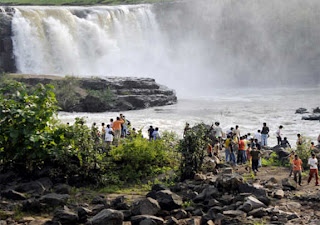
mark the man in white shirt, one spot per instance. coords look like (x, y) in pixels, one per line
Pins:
(218, 131)
(313, 163)
(258, 136)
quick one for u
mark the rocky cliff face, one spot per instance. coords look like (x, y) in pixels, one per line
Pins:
(104, 94)
(7, 63)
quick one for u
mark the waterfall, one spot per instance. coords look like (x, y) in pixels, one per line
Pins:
(85, 41)
(192, 46)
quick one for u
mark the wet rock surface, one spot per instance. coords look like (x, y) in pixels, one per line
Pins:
(126, 93)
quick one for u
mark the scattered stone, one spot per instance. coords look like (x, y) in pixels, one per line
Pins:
(39, 222)
(278, 194)
(246, 207)
(260, 212)
(288, 185)
(146, 206)
(97, 208)
(301, 111)
(107, 217)
(172, 221)
(6, 214)
(234, 213)
(26, 219)
(54, 199)
(99, 200)
(168, 200)
(255, 203)
(83, 214)
(14, 195)
(227, 170)
(199, 177)
(179, 214)
(65, 217)
(229, 182)
(146, 220)
(62, 189)
(159, 187)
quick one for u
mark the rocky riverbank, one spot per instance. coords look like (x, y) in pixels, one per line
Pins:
(220, 195)
(103, 94)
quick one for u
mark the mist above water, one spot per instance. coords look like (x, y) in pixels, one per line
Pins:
(191, 46)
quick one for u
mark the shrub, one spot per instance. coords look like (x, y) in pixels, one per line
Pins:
(193, 150)
(138, 158)
(304, 152)
(25, 123)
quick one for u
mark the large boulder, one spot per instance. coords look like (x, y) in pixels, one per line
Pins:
(288, 185)
(168, 200)
(207, 194)
(14, 195)
(146, 220)
(65, 217)
(107, 217)
(54, 199)
(255, 203)
(146, 206)
(229, 182)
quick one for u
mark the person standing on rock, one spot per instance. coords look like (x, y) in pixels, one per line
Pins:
(279, 135)
(103, 131)
(227, 145)
(237, 132)
(258, 136)
(117, 130)
(150, 131)
(155, 134)
(297, 168)
(313, 163)
(108, 135)
(264, 135)
(285, 143)
(299, 140)
(291, 158)
(242, 151)
(218, 131)
(255, 156)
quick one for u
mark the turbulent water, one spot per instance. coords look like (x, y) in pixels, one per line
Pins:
(247, 108)
(191, 46)
(229, 49)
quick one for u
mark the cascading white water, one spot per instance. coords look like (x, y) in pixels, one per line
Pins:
(85, 41)
(191, 46)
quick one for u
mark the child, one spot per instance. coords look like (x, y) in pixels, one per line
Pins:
(291, 157)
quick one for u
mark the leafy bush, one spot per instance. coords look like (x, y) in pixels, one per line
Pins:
(304, 152)
(25, 123)
(193, 150)
(139, 158)
(31, 138)
(105, 95)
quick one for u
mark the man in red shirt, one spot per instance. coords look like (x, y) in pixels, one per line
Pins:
(297, 168)
(242, 151)
(116, 127)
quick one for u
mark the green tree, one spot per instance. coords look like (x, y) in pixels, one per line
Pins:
(193, 150)
(25, 121)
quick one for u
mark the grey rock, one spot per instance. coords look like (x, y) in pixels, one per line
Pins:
(14, 195)
(255, 203)
(288, 184)
(98, 200)
(107, 217)
(260, 212)
(146, 220)
(62, 189)
(179, 214)
(83, 214)
(168, 200)
(279, 194)
(146, 206)
(54, 199)
(65, 217)
(246, 207)
(207, 194)
(98, 208)
(172, 221)
(234, 213)
(159, 187)
(229, 182)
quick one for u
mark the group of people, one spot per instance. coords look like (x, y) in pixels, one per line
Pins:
(296, 168)
(246, 149)
(121, 128)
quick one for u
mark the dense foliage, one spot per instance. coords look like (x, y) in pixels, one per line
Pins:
(139, 158)
(193, 150)
(33, 140)
(304, 152)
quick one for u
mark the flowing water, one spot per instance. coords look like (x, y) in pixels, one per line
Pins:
(238, 61)
(246, 108)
